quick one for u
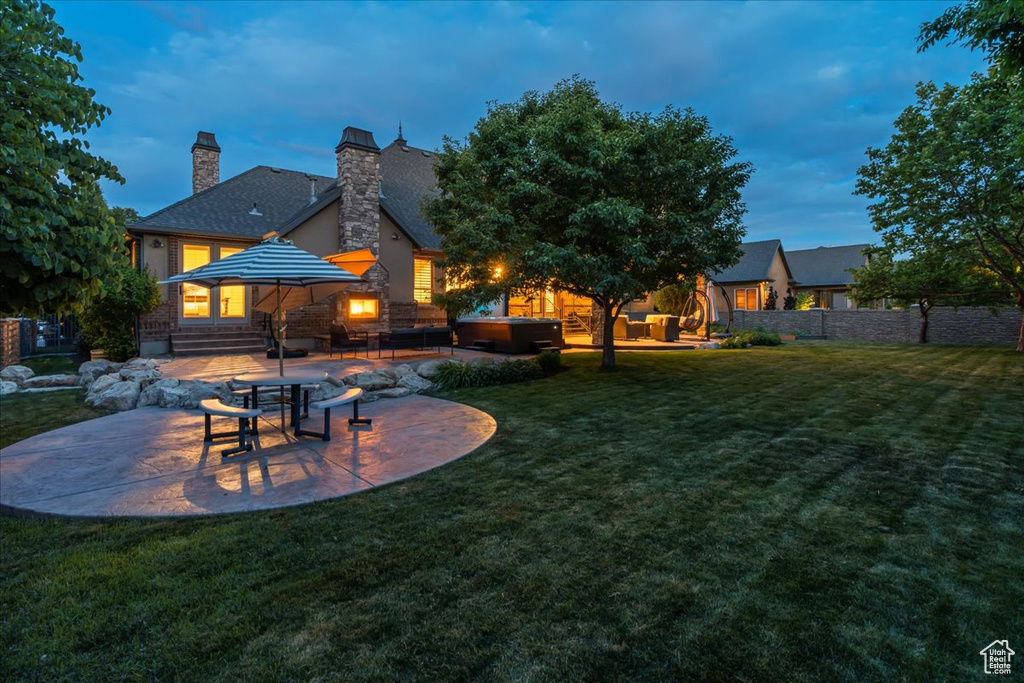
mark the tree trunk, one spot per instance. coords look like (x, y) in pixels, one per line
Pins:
(1020, 307)
(608, 343)
(924, 308)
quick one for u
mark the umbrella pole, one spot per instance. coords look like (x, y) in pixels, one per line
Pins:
(280, 348)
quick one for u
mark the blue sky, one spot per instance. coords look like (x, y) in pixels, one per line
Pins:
(802, 88)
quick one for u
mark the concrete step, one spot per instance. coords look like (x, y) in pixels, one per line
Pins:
(213, 343)
(221, 350)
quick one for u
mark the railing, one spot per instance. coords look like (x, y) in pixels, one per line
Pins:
(55, 334)
(574, 322)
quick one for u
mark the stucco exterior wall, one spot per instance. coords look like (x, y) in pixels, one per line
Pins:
(397, 257)
(319, 234)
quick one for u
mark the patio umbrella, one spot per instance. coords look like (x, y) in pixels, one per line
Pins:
(355, 262)
(274, 262)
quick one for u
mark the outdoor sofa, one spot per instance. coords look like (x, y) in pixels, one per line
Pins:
(416, 338)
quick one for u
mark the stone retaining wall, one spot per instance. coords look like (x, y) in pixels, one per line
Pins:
(966, 325)
(10, 341)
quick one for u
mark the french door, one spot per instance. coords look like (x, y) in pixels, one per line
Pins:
(217, 306)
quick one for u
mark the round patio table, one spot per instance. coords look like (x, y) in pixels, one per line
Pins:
(293, 378)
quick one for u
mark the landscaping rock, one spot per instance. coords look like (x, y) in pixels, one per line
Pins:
(97, 368)
(415, 383)
(160, 393)
(44, 381)
(327, 390)
(118, 396)
(370, 381)
(404, 370)
(8, 387)
(396, 392)
(101, 384)
(140, 364)
(368, 397)
(144, 376)
(387, 372)
(16, 373)
(428, 369)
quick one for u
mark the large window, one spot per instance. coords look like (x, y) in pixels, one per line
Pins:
(746, 299)
(195, 299)
(232, 299)
(423, 280)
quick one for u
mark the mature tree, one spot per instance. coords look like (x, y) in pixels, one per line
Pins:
(58, 241)
(943, 276)
(954, 173)
(994, 26)
(565, 191)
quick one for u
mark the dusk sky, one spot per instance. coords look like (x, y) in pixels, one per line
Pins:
(802, 88)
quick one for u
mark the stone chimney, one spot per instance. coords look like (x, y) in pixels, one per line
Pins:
(359, 220)
(205, 162)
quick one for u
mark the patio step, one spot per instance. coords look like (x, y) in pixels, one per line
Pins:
(217, 343)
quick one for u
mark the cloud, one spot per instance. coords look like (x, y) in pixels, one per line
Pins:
(802, 88)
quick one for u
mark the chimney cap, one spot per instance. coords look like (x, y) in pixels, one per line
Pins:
(206, 140)
(357, 138)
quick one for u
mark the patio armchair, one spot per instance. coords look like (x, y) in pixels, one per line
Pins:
(626, 329)
(666, 331)
(342, 339)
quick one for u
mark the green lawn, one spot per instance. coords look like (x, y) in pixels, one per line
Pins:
(809, 512)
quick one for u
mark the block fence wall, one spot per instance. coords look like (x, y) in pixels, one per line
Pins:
(10, 341)
(966, 325)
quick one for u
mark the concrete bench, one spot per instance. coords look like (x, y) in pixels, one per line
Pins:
(351, 396)
(213, 406)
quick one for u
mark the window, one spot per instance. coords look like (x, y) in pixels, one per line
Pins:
(423, 280)
(232, 299)
(746, 299)
(195, 299)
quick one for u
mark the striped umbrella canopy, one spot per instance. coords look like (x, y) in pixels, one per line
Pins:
(273, 262)
(355, 262)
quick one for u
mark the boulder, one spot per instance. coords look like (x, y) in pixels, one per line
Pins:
(101, 384)
(428, 368)
(415, 383)
(144, 376)
(156, 394)
(16, 373)
(370, 381)
(368, 397)
(44, 381)
(404, 370)
(387, 372)
(8, 387)
(96, 368)
(327, 390)
(396, 392)
(140, 364)
(118, 396)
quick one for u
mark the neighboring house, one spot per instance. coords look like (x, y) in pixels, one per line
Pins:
(763, 265)
(372, 203)
(824, 272)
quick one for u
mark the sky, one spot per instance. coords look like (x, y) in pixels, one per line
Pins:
(802, 88)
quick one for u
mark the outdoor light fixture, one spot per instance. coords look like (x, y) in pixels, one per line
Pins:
(395, 236)
(156, 243)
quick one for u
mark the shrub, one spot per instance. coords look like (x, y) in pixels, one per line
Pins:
(671, 299)
(549, 362)
(454, 376)
(804, 301)
(771, 301)
(459, 375)
(109, 321)
(747, 338)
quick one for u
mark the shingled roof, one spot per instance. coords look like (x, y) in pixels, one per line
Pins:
(283, 199)
(826, 266)
(247, 206)
(407, 176)
(754, 265)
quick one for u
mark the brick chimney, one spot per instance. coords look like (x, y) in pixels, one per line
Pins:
(205, 162)
(359, 220)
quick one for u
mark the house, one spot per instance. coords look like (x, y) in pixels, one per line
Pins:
(371, 203)
(745, 286)
(824, 272)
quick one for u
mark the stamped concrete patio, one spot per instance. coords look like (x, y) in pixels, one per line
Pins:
(153, 461)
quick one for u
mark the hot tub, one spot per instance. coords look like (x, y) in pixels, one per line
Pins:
(510, 334)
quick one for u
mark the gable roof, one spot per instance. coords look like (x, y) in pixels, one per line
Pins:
(226, 208)
(283, 199)
(826, 266)
(407, 176)
(754, 264)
